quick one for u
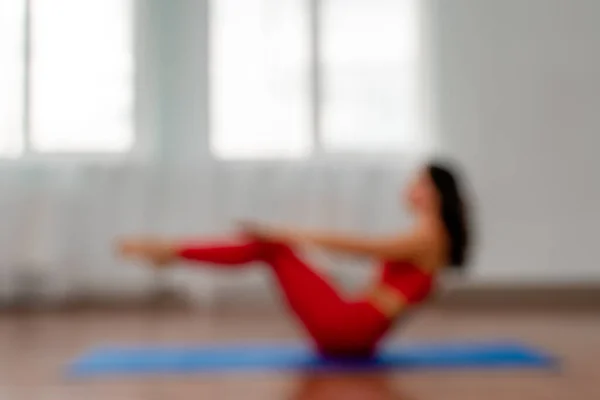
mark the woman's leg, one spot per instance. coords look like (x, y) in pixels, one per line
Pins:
(312, 298)
(230, 253)
(336, 326)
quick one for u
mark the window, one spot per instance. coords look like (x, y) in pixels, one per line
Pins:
(259, 82)
(12, 41)
(333, 76)
(369, 58)
(73, 76)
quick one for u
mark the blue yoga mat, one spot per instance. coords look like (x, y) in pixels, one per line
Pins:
(292, 357)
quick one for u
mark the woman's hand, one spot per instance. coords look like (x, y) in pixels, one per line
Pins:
(154, 251)
(269, 234)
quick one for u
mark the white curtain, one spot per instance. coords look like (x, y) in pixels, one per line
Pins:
(60, 222)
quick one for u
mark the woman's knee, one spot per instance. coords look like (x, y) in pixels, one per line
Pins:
(271, 251)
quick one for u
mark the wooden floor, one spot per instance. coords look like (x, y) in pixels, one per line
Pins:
(35, 348)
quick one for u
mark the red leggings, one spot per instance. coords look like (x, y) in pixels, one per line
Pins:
(337, 327)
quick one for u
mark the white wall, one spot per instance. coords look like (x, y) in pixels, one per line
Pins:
(517, 102)
(181, 31)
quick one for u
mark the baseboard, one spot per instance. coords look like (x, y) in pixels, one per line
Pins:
(575, 297)
(584, 297)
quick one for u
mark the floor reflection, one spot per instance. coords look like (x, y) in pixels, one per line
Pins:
(348, 387)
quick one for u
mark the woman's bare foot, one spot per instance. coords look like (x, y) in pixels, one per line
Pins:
(158, 253)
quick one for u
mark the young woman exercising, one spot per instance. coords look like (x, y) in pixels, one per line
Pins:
(409, 263)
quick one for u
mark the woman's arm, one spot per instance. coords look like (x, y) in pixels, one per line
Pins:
(406, 246)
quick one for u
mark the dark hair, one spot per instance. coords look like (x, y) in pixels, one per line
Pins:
(453, 211)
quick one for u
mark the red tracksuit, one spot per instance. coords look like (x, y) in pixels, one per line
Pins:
(337, 326)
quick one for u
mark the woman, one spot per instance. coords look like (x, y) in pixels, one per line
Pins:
(409, 263)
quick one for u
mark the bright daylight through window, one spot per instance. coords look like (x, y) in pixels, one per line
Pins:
(292, 76)
(68, 74)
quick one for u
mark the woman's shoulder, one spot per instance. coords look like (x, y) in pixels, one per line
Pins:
(432, 242)
(426, 235)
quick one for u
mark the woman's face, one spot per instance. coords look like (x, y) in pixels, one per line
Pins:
(422, 193)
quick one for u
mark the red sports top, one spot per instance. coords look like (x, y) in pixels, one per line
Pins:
(414, 283)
